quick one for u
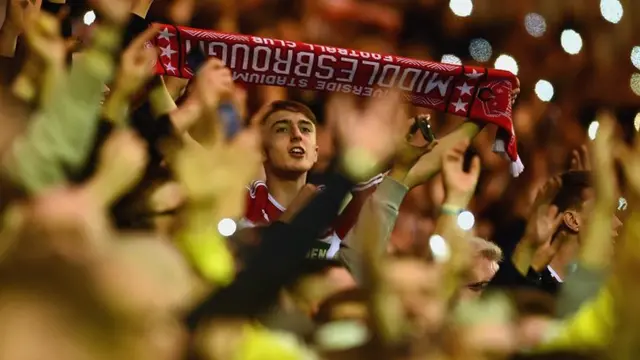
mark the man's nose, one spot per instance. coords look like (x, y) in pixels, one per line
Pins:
(295, 133)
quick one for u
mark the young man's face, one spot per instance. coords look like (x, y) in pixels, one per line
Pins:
(290, 142)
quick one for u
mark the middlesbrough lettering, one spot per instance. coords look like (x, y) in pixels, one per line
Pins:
(324, 68)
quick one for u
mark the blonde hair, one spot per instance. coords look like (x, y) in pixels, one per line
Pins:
(486, 249)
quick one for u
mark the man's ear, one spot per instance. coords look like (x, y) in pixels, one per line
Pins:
(571, 220)
(315, 154)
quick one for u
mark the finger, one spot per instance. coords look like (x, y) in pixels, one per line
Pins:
(259, 117)
(345, 108)
(145, 36)
(461, 146)
(578, 160)
(384, 107)
(431, 145)
(63, 13)
(586, 160)
(623, 153)
(474, 168)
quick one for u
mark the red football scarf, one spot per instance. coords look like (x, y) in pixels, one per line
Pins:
(484, 95)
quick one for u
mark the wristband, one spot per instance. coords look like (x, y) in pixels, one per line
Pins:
(448, 209)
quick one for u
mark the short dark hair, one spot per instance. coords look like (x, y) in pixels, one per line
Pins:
(289, 105)
(572, 191)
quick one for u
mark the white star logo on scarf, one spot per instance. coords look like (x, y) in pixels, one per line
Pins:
(170, 68)
(167, 51)
(165, 34)
(465, 89)
(460, 105)
(474, 74)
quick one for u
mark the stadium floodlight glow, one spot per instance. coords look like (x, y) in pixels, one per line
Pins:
(480, 50)
(227, 227)
(634, 82)
(535, 24)
(462, 8)
(439, 248)
(451, 59)
(571, 41)
(506, 62)
(593, 130)
(544, 90)
(466, 220)
(635, 56)
(89, 18)
(611, 10)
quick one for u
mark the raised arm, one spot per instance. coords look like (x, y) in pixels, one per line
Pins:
(61, 135)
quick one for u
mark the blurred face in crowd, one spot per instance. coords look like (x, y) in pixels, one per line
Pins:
(483, 269)
(312, 290)
(289, 142)
(418, 284)
(576, 218)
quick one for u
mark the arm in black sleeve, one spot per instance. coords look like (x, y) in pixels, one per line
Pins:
(282, 251)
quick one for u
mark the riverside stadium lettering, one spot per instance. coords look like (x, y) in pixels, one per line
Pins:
(322, 67)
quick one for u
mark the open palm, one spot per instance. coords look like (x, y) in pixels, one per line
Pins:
(377, 129)
(459, 185)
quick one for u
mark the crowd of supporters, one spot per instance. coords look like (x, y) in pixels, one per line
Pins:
(137, 223)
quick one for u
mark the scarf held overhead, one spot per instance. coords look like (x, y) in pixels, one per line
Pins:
(484, 95)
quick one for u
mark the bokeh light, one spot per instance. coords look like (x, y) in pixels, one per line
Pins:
(544, 90)
(451, 59)
(480, 50)
(635, 56)
(611, 10)
(593, 129)
(462, 8)
(635, 83)
(466, 220)
(227, 227)
(89, 18)
(571, 41)
(439, 248)
(506, 62)
(636, 122)
(535, 24)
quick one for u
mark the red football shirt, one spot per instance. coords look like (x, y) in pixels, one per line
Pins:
(262, 209)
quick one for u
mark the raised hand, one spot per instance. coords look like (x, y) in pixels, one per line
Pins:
(218, 174)
(600, 160)
(542, 225)
(121, 164)
(19, 13)
(580, 159)
(45, 40)
(213, 83)
(369, 137)
(629, 159)
(408, 153)
(136, 65)
(459, 185)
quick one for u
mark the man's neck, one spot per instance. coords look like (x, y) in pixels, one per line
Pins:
(284, 189)
(566, 253)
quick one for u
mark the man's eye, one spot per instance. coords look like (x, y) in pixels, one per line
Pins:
(307, 130)
(477, 287)
(282, 129)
